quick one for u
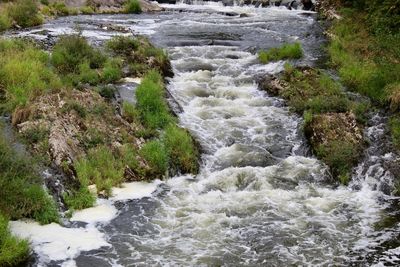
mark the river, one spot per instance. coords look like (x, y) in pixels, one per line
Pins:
(260, 198)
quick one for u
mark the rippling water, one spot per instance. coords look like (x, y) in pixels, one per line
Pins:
(260, 199)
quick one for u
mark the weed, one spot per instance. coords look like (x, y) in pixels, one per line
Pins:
(286, 51)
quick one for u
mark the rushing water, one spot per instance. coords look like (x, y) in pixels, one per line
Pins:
(260, 199)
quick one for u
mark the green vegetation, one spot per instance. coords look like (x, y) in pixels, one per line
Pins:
(79, 199)
(133, 6)
(155, 154)
(286, 51)
(25, 13)
(314, 91)
(153, 108)
(13, 251)
(79, 62)
(181, 149)
(24, 73)
(394, 125)
(21, 188)
(136, 53)
(365, 49)
(100, 167)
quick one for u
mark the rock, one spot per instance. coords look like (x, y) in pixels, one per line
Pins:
(271, 84)
(307, 5)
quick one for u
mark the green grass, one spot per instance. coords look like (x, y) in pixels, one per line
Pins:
(13, 251)
(24, 73)
(5, 20)
(340, 156)
(129, 112)
(25, 13)
(394, 126)
(79, 199)
(137, 53)
(313, 91)
(73, 50)
(286, 51)
(155, 154)
(112, 71)
(100, 167)
(367, 60)
(21, 188)
(133, 6)
(151, 104)
(181, 149)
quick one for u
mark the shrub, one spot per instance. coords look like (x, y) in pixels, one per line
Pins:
(181, 149)
(13, 251)
(156, 156)
(287, 51)
(25, 13)
(21, 189)
(87, 10)
(133, 6)
(101, 168)
(73, 50)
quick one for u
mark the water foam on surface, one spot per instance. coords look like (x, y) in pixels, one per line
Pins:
(56, 243)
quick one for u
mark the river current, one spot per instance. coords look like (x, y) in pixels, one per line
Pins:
(260, 198)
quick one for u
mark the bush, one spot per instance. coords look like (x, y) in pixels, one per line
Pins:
(287, 51)
(151, 104)
(100, 167)
(181, 149)
(13, 251)
(21, 188)
(24, 73)
(73, 50)
(25, 13)
(133, 6)
(156, 156)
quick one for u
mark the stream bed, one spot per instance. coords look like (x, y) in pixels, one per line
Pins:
(260, 199)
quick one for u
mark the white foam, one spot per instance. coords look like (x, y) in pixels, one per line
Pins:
(104, 211)
(53, 242)
(134, 190)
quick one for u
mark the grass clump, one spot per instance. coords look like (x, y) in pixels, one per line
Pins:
(133, 6)
(100, 167)
(314, 91)
(73, 50)
(136, 52)
(13, 251)
(340, 156)
(79, 199)
(152, 107)
(155, 153)
(181, 149)
(24, 73)
(129, 112)
(112, 71)
(21, 188)
(286, 51)
(25, 13)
